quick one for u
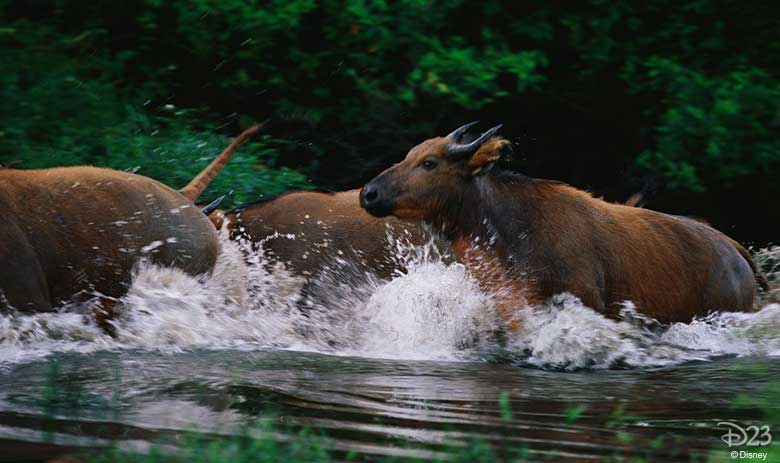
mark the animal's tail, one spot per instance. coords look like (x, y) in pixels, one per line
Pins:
(636, 200)
(202, 180)
(646, 193)
(761, 279)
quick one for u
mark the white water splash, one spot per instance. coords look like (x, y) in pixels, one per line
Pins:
(564, 334)
(433, 311)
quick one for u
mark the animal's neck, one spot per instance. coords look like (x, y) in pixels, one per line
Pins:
(489, 236)
(494, 213)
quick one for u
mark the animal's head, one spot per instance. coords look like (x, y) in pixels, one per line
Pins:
(434, 175)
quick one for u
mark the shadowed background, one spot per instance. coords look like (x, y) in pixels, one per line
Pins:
(679, 99)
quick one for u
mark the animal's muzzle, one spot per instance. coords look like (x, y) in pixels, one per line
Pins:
(373, 201)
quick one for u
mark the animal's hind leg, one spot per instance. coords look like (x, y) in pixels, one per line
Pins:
(730, 288)
(22, 281)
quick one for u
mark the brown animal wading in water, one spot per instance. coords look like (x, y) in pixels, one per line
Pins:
(528, 239)
(73, 232)
(306, 230)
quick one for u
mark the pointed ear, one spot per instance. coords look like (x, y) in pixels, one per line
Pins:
(487, 155)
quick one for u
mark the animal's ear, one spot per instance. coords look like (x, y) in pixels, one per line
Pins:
(487, 155)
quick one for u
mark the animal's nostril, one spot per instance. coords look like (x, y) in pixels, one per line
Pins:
(370, 195)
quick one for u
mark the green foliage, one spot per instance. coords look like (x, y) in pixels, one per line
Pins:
(574, 413)
(256, 444)
(389, 54)
(55, 112)
(766, 403)
(712, 102)
(505, 406)
(86, 83)
(715, 129)
(468, 79)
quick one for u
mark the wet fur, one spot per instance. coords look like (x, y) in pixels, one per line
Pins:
(315, 218)
(548, 237)
(672, 268)
(71, 233)
(74, 230)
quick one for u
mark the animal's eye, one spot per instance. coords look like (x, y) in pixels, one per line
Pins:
(428, 164)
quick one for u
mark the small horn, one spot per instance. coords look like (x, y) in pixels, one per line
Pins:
(473, 146)
(212, 206)
(11, 164)
(455, 134)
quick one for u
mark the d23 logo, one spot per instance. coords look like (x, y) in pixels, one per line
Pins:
(750, 436)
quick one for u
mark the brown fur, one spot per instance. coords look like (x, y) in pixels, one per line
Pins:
(314, 218)
(72, 229)
(72, 233)
(486, 265)
(547, 237)
(761, 279)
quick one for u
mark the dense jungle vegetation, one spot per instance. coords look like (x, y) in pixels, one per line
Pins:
(680, 99)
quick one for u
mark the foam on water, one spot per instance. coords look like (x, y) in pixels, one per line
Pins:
(435, 310)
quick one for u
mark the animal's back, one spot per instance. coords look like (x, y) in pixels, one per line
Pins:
(85, 227)
(308, 229)
(685, 267)
(673, 268)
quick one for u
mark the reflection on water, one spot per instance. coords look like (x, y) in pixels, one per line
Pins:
(398, 367)
(386, 407)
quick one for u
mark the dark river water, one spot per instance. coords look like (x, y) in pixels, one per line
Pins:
(382, 407)
(409, 367)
